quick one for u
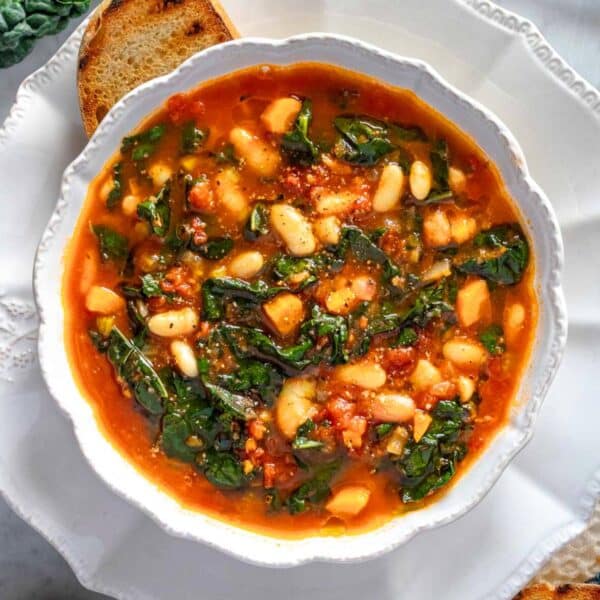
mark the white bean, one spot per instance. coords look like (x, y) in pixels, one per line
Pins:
(420, 180)
(103, 300)
(328, 230)
(389, 190)
(463, 228)
(466, 387)
(436, 229)
(464, 353)
(425, 375)
(295, 405)
(364, 287)
(391, 407)
(367, 375)
(473, 303)
(129, 205)
(333, 203)
(457, 180)
(514, 321)
(185, 358)
(160, 173)
(229, 194)
(294, 229)
(246, 264)
(260, 156)
(174, 323)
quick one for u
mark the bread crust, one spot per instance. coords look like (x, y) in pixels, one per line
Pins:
(128, 42)
(562, 592)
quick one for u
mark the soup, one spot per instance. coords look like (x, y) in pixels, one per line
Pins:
(299, 300)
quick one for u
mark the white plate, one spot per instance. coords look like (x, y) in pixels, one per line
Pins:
(542, 500)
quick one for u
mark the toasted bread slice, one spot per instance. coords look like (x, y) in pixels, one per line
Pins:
(128, 42)
(562, 592)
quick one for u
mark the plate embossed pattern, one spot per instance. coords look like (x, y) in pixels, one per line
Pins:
(541, 48)
(88, 571)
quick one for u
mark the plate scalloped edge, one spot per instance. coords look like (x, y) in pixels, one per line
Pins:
(541, 49)
(567, 77)
(590, 97)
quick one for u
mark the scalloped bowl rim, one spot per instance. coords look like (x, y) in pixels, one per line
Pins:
(483, 126)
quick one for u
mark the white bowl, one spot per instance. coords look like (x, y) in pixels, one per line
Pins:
(491, 135)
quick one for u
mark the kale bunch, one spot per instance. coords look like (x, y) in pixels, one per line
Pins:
(22, 22)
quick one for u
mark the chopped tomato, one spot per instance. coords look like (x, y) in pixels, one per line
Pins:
(201, 197)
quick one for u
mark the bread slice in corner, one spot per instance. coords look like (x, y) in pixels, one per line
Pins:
(128, 42)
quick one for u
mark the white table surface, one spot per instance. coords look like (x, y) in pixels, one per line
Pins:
(30, 569)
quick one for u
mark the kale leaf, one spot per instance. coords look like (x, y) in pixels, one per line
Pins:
(247, 342)
(143, 144)
(215, 290)
(175, 432)
(192, 137)
(492, 338)
(430, 302)
(296, 144)
(23, 22)
(286, 267)
(362, 140)
(137, 371)
(315, 490)
(151, 285)
(430, 463)
(257, 223)
(365, 249)
(384, 429)
(157, 211)
(407, 133)
(226, 155)
(241, 406)
(440, 165)
(116, 193)
(216, 248)
(223, 470)
(113, 245)
(334, 326)
(407, 337)
(254, 376)
(302, 441)
(503, 255)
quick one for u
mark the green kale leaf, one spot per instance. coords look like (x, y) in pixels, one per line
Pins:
(296, 144)
(362, 140)
(157, 211)
(216, 290)
(502, 255)
(430, 463)
(113, 245)
(257, 223)
(192, 137)
(492, 338)
(314, 491)
(142, 145)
